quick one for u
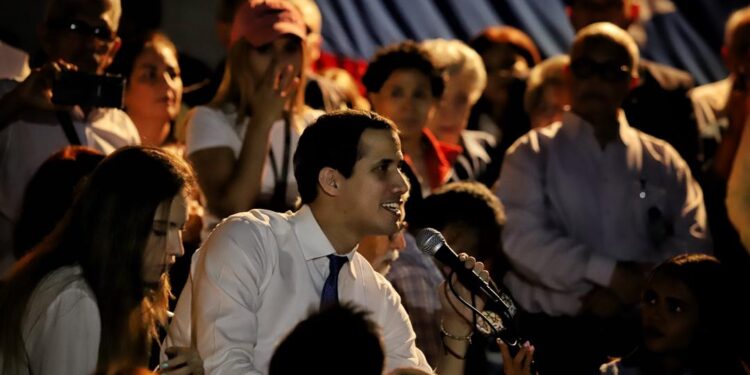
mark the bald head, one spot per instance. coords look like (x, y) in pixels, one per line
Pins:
(72, 9)
(82, 32)
(609, 34)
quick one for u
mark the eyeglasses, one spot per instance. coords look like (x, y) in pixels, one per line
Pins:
(609, 71)
(81, 28)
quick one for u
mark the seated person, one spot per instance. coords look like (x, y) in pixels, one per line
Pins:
(261, 272)
(74, 35)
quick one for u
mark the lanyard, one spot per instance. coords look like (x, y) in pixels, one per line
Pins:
(278, 199)
(67, 126)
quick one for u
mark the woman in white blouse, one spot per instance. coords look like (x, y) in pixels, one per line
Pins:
(92, 294)
(242, 143)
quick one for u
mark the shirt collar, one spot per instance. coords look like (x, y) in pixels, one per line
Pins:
(574, 126)
(313, 241)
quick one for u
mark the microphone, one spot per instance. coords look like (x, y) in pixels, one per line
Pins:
(431, 242)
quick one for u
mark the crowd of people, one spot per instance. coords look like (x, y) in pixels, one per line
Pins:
(601, 195)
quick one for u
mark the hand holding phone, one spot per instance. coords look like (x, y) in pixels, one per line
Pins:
(88, 90)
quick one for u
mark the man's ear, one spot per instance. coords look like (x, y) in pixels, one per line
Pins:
(329, 181)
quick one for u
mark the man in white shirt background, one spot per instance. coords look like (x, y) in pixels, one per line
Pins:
(261, 272)
(75, 35)
(591, 204)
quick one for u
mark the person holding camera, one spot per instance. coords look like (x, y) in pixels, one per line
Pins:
(77, 37)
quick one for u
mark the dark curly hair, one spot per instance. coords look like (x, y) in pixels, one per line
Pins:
(405, 55)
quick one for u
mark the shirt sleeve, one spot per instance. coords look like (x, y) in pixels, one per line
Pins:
(65, 338)
(207, 128)
(536, 245)
(738, 190)
(226, 297)
(688, 212)
(398, 334)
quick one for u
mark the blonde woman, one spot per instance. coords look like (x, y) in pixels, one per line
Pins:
(242, 143)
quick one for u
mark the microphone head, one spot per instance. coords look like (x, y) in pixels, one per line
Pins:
(429, 241)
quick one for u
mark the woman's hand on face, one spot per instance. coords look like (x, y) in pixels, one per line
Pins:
(274, 91)
(182, 361)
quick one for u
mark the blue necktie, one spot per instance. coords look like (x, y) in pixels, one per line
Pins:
(330, 295)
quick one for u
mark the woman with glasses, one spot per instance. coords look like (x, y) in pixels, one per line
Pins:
(92, 294)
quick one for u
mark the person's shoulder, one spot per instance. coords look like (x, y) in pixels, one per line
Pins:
(536, 140)
(714, 90)
(62, 291)
(667, 77)
(663, 154)
(246, 235)
(256, 220)
(207, 114)
(310, 115)
(115, 121)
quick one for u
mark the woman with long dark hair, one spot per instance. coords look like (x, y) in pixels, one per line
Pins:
(92, 294)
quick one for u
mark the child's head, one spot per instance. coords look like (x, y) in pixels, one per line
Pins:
(686, 305)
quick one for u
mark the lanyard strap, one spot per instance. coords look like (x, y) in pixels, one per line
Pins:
(67, 125)
(278, 199)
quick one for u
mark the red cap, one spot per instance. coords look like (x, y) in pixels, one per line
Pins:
(263, 21)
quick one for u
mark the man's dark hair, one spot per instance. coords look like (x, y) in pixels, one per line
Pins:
(405, 55)
(468, 205)
(332, 141)
(339, 339)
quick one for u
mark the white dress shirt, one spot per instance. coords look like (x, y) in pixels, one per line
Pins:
(61, 327)
(258, 275)
(211, 128)
(574, 209)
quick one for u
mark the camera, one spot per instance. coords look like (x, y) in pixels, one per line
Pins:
(88, 90)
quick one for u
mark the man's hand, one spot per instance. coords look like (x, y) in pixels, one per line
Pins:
(35, 92)
(455, 313)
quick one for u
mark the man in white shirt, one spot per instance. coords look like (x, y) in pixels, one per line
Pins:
(261, 272)
(591, 205)
(79, 35)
